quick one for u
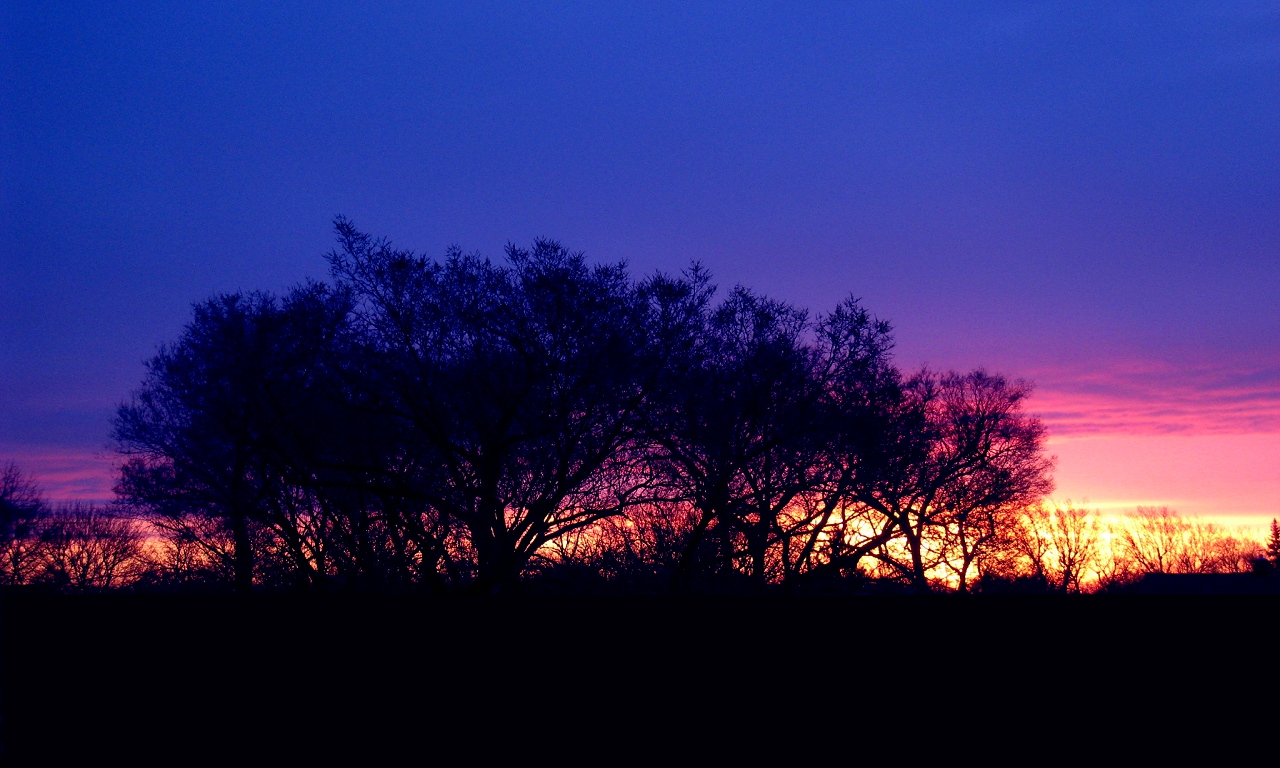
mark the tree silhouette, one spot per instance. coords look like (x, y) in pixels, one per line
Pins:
(1061, 543)
(460, 423)
(758, 437)
(22, 510)
(736, 429)
(89, 548)
(961, 448)
(203, 436)
(519, 385)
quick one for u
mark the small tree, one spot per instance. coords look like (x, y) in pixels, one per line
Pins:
(1273, 545)
(1076, 540)
(89, 548)
(1114, 565)
(1152, 539)
(22, 512)
(1032, 541)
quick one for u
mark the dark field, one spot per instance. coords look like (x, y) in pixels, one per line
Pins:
(120, 674)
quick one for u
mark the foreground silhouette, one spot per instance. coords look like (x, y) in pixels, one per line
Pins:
(548, 425)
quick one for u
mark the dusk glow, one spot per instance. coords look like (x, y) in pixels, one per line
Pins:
(1086, 196)
(433, 377)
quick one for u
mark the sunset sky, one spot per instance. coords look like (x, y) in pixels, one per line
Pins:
(1086, 195)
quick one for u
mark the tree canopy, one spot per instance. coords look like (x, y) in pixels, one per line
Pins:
(459, 423)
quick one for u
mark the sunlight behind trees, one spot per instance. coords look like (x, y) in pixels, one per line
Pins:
(547, 424)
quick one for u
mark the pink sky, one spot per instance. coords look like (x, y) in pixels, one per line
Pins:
(1204, 441)
(64, 474)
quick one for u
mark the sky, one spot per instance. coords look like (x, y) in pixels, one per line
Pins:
(1085, 195)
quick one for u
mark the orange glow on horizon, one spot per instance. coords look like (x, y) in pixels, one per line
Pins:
(1202, 440)
(1231, 478)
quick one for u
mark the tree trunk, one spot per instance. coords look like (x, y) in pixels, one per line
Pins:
(918, 580)
(684, 565)
(759, 548)
(497, 569)
(243, 557)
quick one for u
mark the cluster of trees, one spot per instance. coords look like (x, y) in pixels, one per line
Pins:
(542, 423)
(1065, 548)
(1043, 547)
(72, 547)
(457, 423)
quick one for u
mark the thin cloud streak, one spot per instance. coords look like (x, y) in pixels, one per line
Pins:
(1154, 398)
(65, 474)
(1202, 439)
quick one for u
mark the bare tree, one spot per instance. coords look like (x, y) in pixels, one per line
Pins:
(1032, 540)
(520, 387)
(1159, 540)
(459, 422)
(1208, 548)
(1076, 538)
(190, 436)
(22, 513)
(190, 551)
(1115, 567)
(974, 452)
(984, 533)
(734, 435)
(1152, 538)
(89, 548)
(246, 420)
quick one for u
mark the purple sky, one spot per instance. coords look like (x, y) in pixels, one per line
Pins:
(1086, 194)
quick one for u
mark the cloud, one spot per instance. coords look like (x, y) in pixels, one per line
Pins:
(1160, 398)
(64, 474)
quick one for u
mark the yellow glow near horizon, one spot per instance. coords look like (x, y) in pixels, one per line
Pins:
(1232, 479)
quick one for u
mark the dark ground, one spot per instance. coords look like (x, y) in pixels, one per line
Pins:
(132, 674)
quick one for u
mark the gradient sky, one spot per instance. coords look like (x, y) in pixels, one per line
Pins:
(1083, 194)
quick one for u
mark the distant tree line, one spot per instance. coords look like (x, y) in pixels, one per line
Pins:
(1044, 548)
(545, 424)
(71, 547)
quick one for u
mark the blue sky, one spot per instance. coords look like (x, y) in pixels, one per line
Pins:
(1080, 193)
